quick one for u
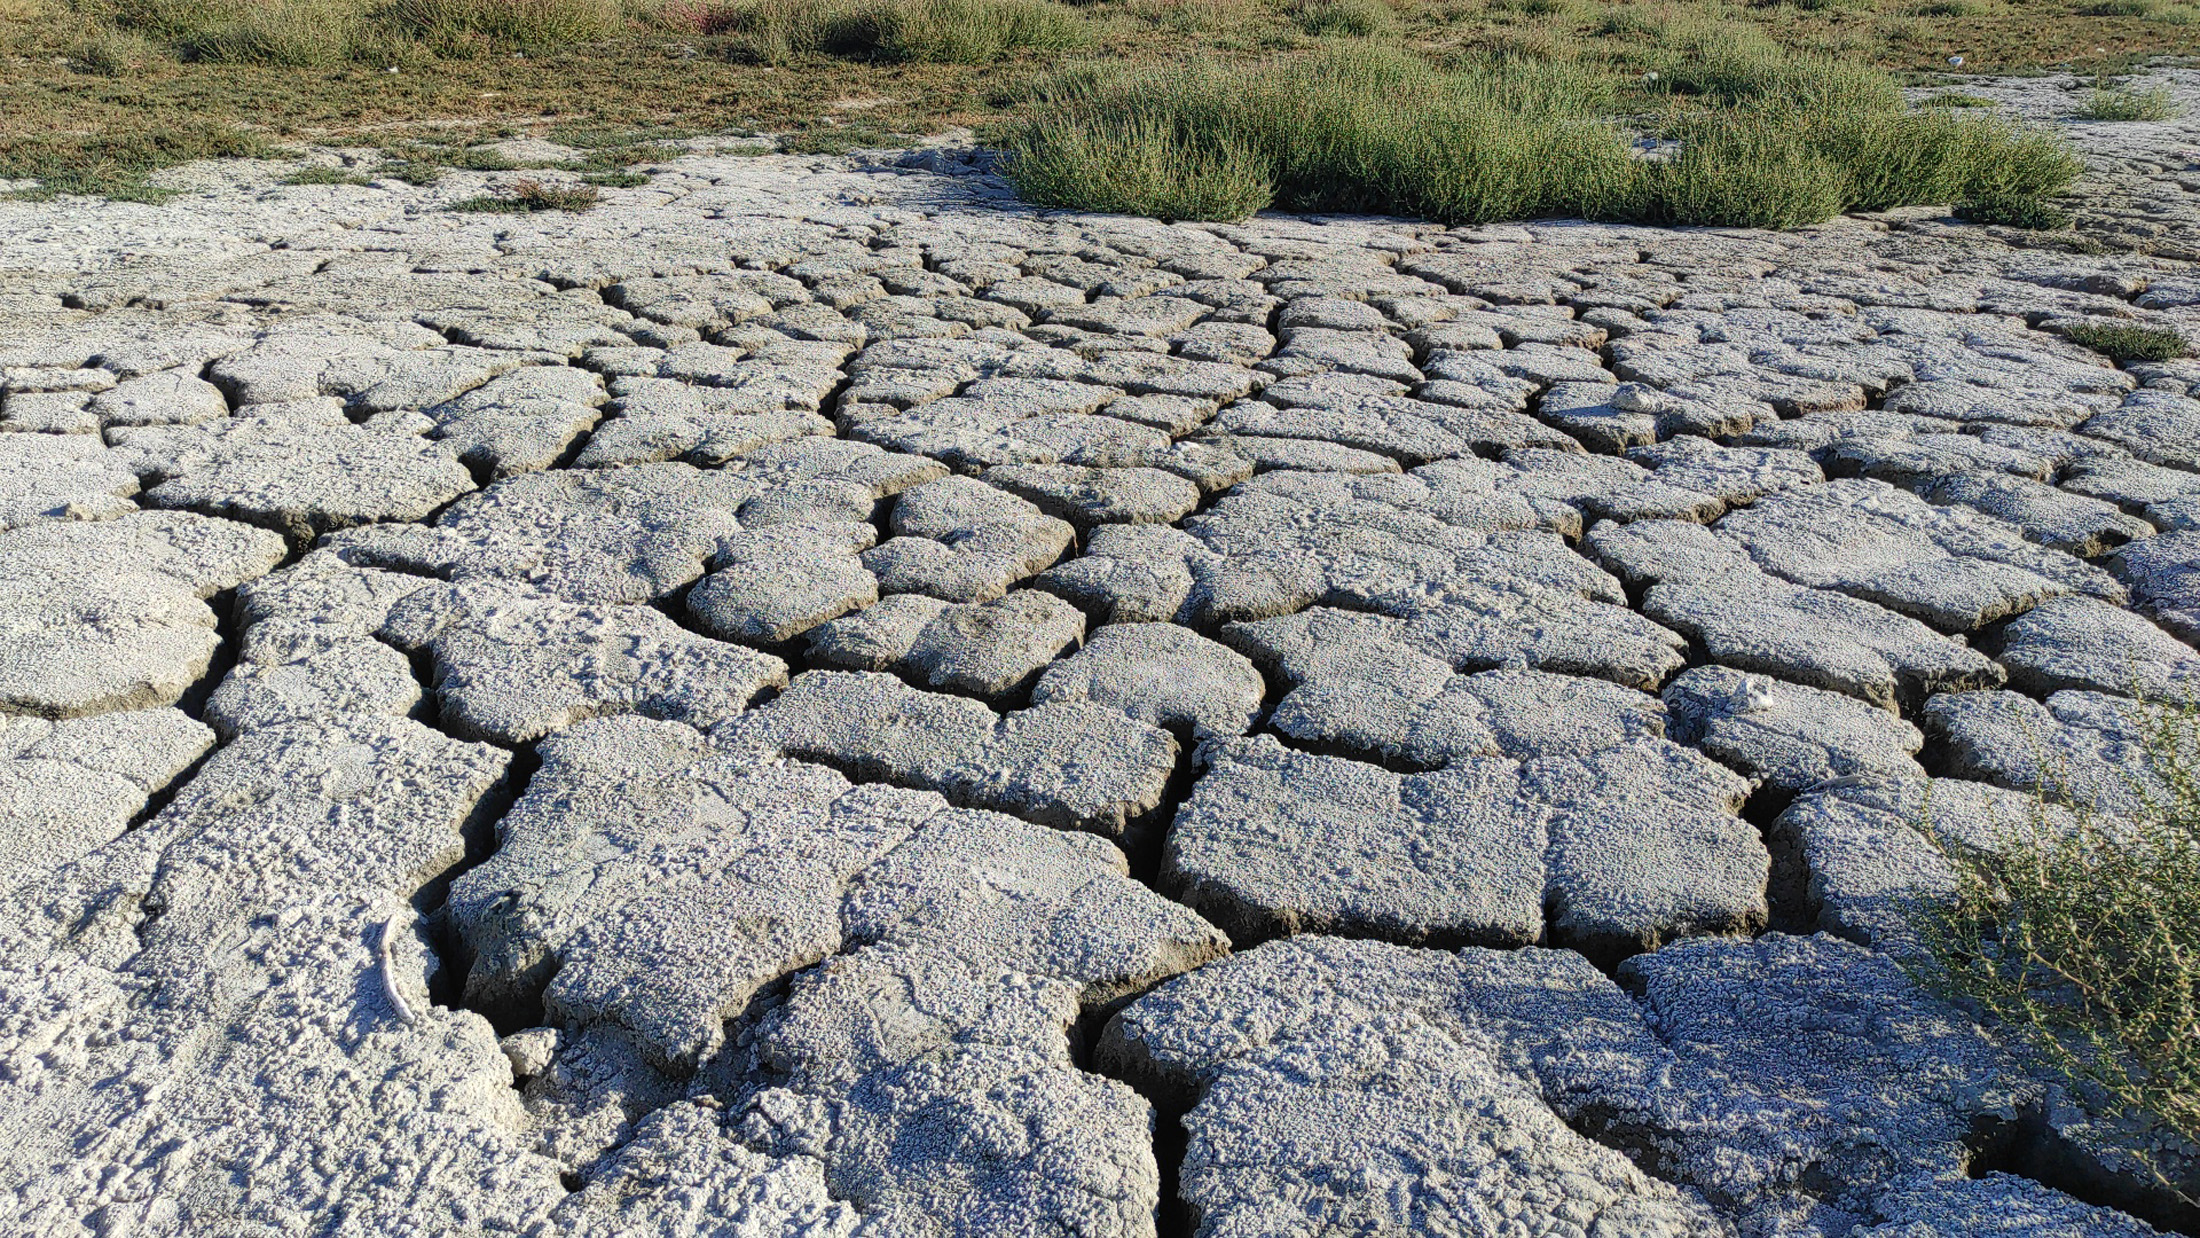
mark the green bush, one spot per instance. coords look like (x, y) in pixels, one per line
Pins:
(2012, 211)
(1140, 167)
(2128, 341)
(1743, 172)
(114, 53)
(461, 26)
(320, 33)
(2155, 103)
(922, 31)
(1378, 130)
(2082, 933)
(1354, 129)
(1719, 63)
(296, 33)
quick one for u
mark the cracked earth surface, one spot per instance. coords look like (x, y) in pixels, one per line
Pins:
(814, 699)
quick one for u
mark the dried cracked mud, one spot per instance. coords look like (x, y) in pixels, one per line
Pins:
(815, 699)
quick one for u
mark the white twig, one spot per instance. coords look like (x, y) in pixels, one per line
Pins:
(389, 971)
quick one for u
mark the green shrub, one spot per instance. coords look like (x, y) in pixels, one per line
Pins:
(1343, 17)
(922, 31)
(1744, 172)
(1375, 129)
(2082, 933)
(2013, 211)
(2127, 341)
(1353, 129)
(294, 33)
(320, 33)
(1141, 167)
(463, 26)
(1935, 155)
(2117, 8)
(1725, 63)
(2154, 103)
(114, 53)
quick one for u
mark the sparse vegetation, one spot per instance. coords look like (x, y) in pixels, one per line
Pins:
(529, 196)
(117, 165)
(2129, 341)
(2082, 933)
(317, 175)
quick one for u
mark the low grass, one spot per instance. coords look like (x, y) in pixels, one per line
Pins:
(2086, 940)
(117, 165)
(2129, 342)
(1765, 140)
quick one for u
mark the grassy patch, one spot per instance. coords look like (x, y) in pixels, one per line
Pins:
(2083, 934)
(1764, 141)
(325, 176)
(411, 171)
(1357, 18)
(2126, 342)
(2121, 103)
(530, 196)
(116, 165)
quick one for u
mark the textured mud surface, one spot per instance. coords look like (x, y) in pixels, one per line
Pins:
(814, 699)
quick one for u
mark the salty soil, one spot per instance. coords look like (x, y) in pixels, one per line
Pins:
(813, 698)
